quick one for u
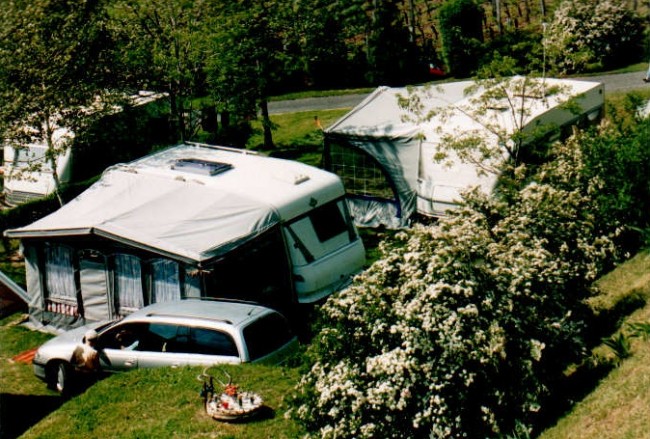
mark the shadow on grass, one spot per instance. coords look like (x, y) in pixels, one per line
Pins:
(569, 390)
(19, 412)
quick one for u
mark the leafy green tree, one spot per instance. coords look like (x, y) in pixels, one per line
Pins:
(461, 27)
(55, 65)
(249, 57)
(391, 56)
(318, 34)
(161, 49)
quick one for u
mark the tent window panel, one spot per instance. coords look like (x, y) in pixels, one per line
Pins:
(128, 283)
(59, 274)
(165, 281)
(361, 174)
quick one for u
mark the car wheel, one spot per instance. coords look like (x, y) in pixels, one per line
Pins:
(60, 377)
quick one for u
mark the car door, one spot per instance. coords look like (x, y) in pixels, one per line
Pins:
(141, 345)
(164, 345)
(117, 345)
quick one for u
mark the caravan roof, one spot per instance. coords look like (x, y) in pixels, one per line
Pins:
(190, 201)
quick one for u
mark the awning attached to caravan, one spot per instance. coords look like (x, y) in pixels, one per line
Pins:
(388, 156)
(182, 218)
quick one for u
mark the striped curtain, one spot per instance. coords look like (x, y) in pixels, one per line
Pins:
(166, 283)
(128, 283)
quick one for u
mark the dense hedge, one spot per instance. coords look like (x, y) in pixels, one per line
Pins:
(463, 328)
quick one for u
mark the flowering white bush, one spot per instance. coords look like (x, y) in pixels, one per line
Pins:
(459, 328)
(586, 32)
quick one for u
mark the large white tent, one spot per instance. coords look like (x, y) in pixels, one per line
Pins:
(385, 155)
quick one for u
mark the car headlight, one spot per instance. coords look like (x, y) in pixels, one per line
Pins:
(39, 358)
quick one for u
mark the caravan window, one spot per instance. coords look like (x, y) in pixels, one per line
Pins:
(59, 273)
(320, 232)
(328, 221)
(128, 283)
(31, 157)
(165, 283)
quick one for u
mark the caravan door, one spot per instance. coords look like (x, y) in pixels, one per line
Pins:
(94, 286)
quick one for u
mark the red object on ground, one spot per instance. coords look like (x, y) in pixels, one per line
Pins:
(26, 357)
(435, 70)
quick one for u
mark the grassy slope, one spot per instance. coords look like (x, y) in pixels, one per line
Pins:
(618, 407)
(166, 403)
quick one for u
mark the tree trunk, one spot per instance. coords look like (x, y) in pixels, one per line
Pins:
(51, 157)
(267, 125)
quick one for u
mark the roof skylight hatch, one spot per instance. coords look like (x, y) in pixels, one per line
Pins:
(201, 167)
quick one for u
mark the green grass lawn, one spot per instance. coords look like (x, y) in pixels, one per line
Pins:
(165, 403)
(297, 136)
(24, 400)
(161, 403)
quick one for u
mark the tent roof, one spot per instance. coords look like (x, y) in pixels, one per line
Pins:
(380, 115)
(185, 212)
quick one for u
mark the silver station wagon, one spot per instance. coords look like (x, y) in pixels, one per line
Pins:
(178, 333)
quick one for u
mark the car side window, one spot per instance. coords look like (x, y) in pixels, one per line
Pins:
(212, 342)
(157, 337)
(126, 337)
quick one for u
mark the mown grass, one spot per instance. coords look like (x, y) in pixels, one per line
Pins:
(24, 400)
(618, 407)
(165, 403)
(297, 136)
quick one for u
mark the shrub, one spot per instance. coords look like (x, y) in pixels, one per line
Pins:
(616, 155)
(588, 35)
(459, 329)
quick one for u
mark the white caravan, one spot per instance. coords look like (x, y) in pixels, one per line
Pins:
(28, 172)
(191, 221)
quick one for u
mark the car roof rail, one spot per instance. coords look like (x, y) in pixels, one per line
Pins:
(176, 316)
(227, 299)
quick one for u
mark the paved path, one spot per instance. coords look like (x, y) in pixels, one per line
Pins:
(622, 82)
(321, 103)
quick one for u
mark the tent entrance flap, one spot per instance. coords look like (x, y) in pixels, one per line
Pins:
(379, 175)
(94, 286)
